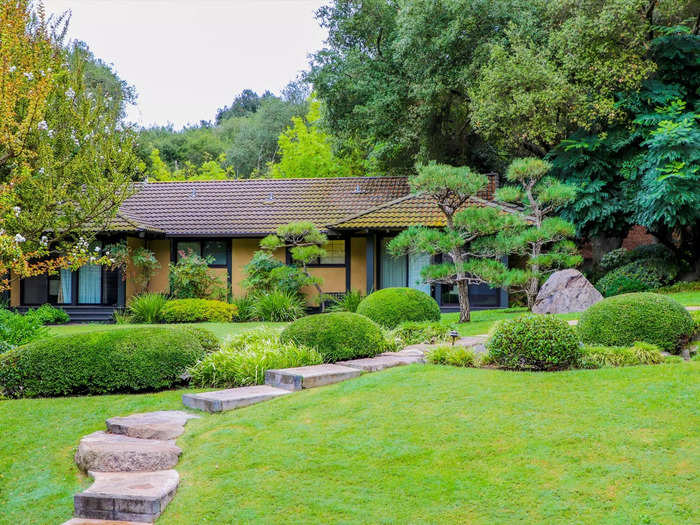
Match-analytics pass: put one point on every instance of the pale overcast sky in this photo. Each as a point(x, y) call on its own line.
point(189, 57)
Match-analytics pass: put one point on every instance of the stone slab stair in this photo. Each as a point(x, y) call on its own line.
point(131, 465)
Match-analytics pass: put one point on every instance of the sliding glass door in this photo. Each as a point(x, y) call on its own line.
point(90, 284)
point(402, 271)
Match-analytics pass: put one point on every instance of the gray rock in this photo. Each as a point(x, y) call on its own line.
point(223, 400)
point(164, 424)
point(127, 496)
point(103, 452)
point(309, 376)
point(566, 291)
point(91, 521)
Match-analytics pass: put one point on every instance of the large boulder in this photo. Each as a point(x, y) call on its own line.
point(566, 291)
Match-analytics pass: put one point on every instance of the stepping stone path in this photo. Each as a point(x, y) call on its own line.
point(131, 465)
point(224, 400)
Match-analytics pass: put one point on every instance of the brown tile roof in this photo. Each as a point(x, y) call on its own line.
point(410, 210)
point(255, 206)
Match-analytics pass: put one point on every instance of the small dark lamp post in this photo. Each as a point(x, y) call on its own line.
point(454, 334)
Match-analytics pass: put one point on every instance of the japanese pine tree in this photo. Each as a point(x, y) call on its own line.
point(452, 190)
point(545, 241)
point(305, 244)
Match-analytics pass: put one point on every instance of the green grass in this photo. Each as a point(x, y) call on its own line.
point(417, 444)
point(687, 298)
point(221, 330)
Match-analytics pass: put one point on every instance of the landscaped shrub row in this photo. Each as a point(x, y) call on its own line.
point(197, 310)
point(337, 336)
point(101, 362)
point(245, 358)
point(625, 319)
point(642, 269)
point(391, 306)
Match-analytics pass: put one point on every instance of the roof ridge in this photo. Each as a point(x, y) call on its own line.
point(295, 179)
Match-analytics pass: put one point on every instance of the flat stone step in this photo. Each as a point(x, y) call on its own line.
point(381, 362)
point(90, 521)
point(692, 308)
point(309, 376)
point(164, 424)
point(572, 322)
point(127, 496)
point(223, 400)
point(104, 452)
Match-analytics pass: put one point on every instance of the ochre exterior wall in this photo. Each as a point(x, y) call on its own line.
point(161, 249)
point(358, 264)
point(242, 251)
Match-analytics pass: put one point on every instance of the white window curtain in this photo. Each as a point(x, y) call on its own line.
point(416, 262)
point(393, 269)
point(65, 292)
point(89, 284)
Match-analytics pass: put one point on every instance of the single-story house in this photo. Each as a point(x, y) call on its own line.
point(226, 220)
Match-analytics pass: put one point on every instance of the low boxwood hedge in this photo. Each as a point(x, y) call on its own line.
point(391, 306)
point(100, 362)
point(534, 342)
point(624, 319)
point(197, 311)
point(337, 336)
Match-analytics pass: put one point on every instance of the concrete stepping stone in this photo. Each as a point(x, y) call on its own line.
point(572, 322)
point(309, 376)
point(127, 496)
point(164, 424)
point(381, 362)
point(90, 521)
point(103, 452)
point(223, 400)
point(692, 308)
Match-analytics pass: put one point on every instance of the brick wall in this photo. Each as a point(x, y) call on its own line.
point(638, 236)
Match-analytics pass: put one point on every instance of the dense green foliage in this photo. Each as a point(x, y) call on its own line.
point(244, 360)
point(534, 342)
point(452, 355)
point(392, 306)
point(348, 302)
point(265, 273)
point(637, 276)
point(120, 360)
point(209, 341)
point(625, 319)
point(197, 310)
point(415, 332)
point(190, 278)
point(277, 306)
point(48, 314)
point(337, 336)
point(146, 308)
point(17, 329)
point(646, 169)
point(639, 353)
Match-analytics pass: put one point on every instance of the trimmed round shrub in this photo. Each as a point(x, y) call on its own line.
point(337, 336)
point(646, 273)
point(208, 340)
point(625, 319)
point(100, 362)
point(614, 259)
point(534, 342)
point(391, 306)
point(197, 311)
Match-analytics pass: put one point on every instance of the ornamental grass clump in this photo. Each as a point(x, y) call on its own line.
point(612, 356)
point(245, 359)
point(452, 355)
point(534, 342)
point(625, 319)
point(147, 308)
point(415, 332)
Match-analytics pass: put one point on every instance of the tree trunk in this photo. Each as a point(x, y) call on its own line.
point(464, 310)
point(602, 245)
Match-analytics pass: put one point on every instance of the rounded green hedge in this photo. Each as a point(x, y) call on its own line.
point(392, 306)
point(197, 311)
point(100, 362)
point(337, 336)
point(624, 319)
point(534, 342)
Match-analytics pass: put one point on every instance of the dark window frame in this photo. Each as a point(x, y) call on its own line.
point(201, 241)
point(345, 239)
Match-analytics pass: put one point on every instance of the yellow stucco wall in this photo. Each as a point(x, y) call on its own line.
point(358, 264)
point(161, 249)
point(242, 251)
point(131, 289)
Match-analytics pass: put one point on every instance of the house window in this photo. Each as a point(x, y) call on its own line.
point(335, 252)
point(217, 250)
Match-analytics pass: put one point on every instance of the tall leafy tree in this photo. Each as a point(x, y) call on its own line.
point(67, 161)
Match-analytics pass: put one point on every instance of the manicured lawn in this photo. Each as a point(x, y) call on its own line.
point(418, 444)
point(221, 330)
point(687, 298)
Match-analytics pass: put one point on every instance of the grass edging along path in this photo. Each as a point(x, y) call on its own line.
point(410, 444)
